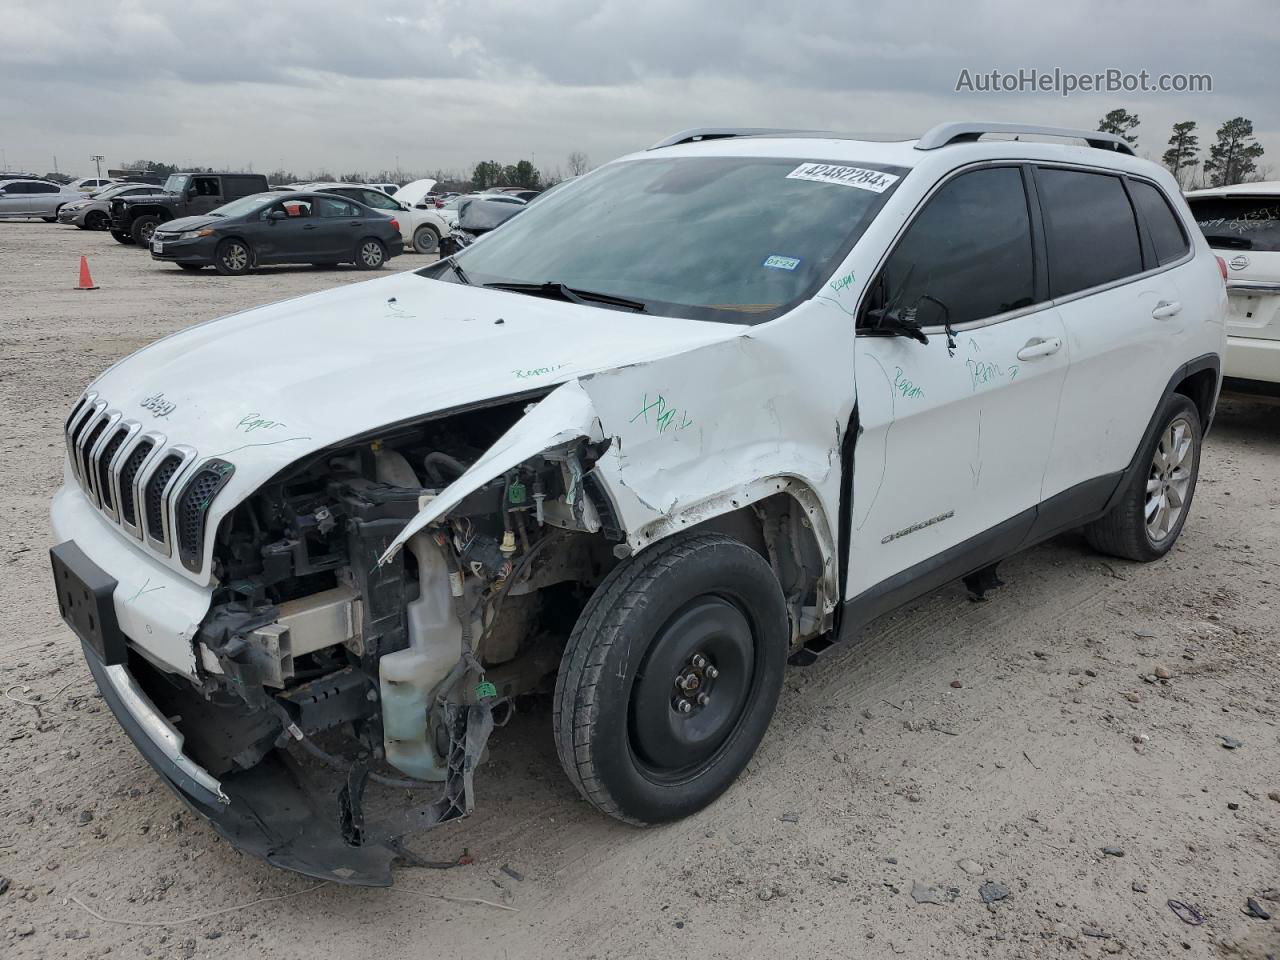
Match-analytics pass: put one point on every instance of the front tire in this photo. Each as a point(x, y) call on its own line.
point(96, 220)
point(122, 237)
point(1145, 522)
point(233, 258)
point(426, 240)
point(670, 678)
point(142, 229)
point(370, 254)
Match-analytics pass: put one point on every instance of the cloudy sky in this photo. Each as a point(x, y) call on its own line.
point(444, 83)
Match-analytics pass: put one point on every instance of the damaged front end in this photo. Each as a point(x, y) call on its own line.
point(337, 670)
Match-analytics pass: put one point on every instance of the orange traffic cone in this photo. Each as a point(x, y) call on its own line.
point(86, 281)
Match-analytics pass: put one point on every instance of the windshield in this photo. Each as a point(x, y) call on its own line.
point(244, 205)
point(1239, 223)
point(176, 183)
point(112, 190)
point(734, 239)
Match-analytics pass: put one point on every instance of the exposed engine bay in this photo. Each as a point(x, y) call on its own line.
point(391, 671)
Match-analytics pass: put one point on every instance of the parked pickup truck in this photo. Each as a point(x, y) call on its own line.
point(134, 219)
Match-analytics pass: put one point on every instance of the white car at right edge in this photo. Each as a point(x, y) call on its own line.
point(1242, 224)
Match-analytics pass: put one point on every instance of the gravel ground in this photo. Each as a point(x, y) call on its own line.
point(1030, 748)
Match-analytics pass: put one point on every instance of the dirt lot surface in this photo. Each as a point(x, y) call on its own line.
point(1062, 748)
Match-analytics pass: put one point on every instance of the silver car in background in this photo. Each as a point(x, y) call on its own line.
point(32, 198)
point(94, 213)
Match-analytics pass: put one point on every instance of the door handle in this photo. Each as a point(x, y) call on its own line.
point(1166, 309)
point(1040, 347)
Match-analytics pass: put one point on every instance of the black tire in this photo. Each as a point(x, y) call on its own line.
point(122, 237)
point(371, 254)
point(233, 258)
point(619, 732)
point(191, 266)
point(96, 220)
point(426, 239)
point(142, 228)
point(1124, 531)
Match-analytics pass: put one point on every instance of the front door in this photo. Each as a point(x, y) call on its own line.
point(288, 233)
point(954, 434)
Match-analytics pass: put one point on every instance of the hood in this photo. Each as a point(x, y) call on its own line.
point(190, 223)
point(266, 387)
point(412, 193)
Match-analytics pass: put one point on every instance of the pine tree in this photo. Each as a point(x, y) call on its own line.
point(1234, 157)
point(1120, 122)
point(1184, 145)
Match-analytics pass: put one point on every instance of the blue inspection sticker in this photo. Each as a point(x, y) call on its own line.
point(781, 263)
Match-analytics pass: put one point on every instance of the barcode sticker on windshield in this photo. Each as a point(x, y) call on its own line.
point(863, 179)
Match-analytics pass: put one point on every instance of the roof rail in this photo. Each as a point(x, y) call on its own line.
point(947, 133)
point(724, 133)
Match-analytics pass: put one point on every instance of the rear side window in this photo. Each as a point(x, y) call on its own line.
point(41, 188)
point(1090, 226)
point(967, 256)
point(335, 207)
point(1162, 223)
point(1239, 223)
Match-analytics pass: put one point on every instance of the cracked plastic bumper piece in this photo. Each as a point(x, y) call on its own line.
point(270, 811)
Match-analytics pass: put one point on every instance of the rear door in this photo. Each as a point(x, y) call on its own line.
point(1245, 231)
point(1126, 323)
point(339, 223)
point(954, 434)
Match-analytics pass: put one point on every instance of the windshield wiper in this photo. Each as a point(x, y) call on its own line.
point(458, 271)
point(553, 288)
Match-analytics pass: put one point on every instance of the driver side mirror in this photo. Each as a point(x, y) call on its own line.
point(277, 215)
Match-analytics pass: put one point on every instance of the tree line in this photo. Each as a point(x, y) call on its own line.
point(1233, 156)
point(485, 175)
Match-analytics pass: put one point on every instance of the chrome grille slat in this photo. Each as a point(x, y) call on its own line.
point(132, 477)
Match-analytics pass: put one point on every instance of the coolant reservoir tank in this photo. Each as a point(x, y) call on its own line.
point(409, 678)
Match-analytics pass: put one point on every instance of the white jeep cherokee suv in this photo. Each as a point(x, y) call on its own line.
point(1242, 223)
point(712, 407)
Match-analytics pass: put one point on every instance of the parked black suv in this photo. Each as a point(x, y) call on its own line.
point(134, 219)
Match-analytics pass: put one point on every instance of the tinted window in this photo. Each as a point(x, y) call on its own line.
point(969, 251)
point(13, 189)
point(206, 187)
point(1238, 223)
point(376, 199)
point(1162, 223)
point(41, 188)
point(334, 207)
point(1092, 233)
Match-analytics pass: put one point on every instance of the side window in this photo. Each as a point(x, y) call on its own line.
point(1162, 223)
point(334, 207)
point(41, 188)
point(13, 189)
point(967, 256)
point(377, 200)
point(1090, 227)
point(206, 186)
